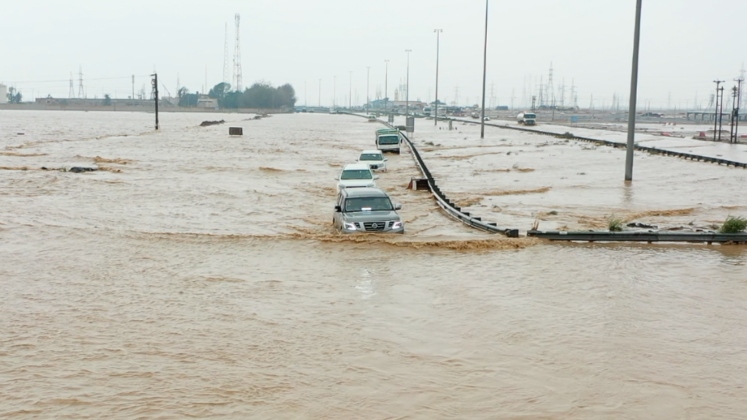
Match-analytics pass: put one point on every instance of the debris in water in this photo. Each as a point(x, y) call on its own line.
point(207, 123)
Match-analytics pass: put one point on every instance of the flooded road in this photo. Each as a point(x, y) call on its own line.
point(198, 275)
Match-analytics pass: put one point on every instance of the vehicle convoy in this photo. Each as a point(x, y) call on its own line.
point(526, 118)
point(374, 158)
point(355, 175)
point(388, 140)
point(366, 210)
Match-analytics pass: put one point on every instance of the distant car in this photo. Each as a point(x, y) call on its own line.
point(366, 210)
point(356, 175)
point(487, 119)
point(374, 158)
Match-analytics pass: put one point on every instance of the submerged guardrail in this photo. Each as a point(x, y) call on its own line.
point(450, 207)
point(652, 236)
point(447, 205)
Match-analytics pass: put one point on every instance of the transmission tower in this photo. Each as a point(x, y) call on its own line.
point(71, 92)
point(81, 91)
point(226, 73)
point(562, 93)
point(237, 58)
point(574, 97)
point(550, 89)
point(541, 96)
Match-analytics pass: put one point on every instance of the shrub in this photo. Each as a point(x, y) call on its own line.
point(734, 225)
point(615, 224)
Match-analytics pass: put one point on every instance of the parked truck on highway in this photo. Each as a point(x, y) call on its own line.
point(526, 118)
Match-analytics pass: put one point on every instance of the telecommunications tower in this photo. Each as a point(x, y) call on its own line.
point(237, 59)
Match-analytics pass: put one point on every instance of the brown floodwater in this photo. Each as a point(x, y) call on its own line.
point(198, 275)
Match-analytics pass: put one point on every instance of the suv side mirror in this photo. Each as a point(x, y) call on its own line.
point(338, 209)
point(398, 206)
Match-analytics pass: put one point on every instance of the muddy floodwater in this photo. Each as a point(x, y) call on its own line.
point(195, 274)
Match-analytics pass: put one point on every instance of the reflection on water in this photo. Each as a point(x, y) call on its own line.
point(204, 279)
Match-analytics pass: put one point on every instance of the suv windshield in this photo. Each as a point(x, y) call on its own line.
point(371, 156)
point(368, 204)
point(356, 174)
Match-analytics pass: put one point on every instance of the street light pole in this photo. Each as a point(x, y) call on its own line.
point(368, 77)
point(350, 93)
point(633, 95)
point(386, 88)
point(334, 92)
point(319, 105)
point(484, 72)
point(438, 40)
point(407, 91)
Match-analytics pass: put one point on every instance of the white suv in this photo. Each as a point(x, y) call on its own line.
point(356, 175)
point(374, 158)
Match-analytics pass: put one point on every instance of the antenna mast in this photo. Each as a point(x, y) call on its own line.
point(237, 58)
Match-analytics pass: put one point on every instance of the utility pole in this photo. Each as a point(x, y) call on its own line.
point(633, 95)
point(735, 112)
point(732, 136)
point(154, 82)
point(368, 78)
point(386, 87)
point(407, 89)
point(350, 93)
point(721, 115)
point(438, 37)
point(715, 113)
point(484, 72)
point(319, 105)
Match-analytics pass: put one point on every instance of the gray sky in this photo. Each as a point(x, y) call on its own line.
point(685, 45)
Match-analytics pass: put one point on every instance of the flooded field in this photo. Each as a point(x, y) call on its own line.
point(198, 275)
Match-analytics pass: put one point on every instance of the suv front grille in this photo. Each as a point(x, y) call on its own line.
point(375, 226)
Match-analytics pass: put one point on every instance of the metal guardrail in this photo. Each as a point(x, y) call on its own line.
point(652, 150)
point(695, 237)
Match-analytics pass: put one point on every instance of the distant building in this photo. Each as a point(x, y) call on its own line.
point(204, 101)
point(383, 103)
point(93, 102)
point(3, 94)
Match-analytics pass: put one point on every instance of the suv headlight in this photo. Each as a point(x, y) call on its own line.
point(396, 225)
point(350, 226)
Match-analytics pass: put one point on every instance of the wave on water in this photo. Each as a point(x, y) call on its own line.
point(660, 213)
point(404, 241)
point(118, 161)
point(22, 154)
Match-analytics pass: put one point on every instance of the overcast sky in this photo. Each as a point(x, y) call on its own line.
point(685, 45)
